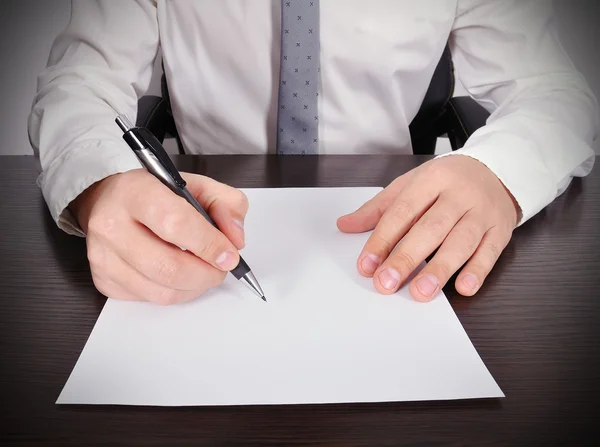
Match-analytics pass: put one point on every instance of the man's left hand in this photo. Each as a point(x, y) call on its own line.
point(452, 203)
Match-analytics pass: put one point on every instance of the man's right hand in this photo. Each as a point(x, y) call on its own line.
point(136, 227)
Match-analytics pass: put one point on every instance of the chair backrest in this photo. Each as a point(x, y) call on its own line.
point(424, 128)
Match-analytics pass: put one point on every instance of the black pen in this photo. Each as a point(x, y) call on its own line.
point(156, 160)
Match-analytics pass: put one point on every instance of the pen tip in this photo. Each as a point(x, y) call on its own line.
point(264, 299)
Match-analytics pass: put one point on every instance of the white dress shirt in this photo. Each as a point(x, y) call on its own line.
point(377, 58)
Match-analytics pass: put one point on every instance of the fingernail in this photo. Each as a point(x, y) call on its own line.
point(226, 260)
point(370, 263)
point(427, 285)
point(470, 281)
point(389, 279)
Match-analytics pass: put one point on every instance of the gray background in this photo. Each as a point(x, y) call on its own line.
point(28, 28)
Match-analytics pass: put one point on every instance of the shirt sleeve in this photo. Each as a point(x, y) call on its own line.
point(544, 118)
point(98, 67)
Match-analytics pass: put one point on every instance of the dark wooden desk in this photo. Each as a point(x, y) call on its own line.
point(535, 323)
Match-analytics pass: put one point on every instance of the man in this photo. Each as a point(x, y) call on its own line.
point(370, 63)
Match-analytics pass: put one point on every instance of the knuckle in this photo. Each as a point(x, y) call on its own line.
point(401, 209)
point(153, 212)
point(471, 231)
point(480, 268)
point(102, 225)
point(470, 236)
point(443, 269)
point(379, 242)
point(172, 224)
point(436, 225)
point(95, 255)
point(437, 170)
point(167, 297)
point(494, 249)
point(168, 270)
point(382, 201)
point(211, 247)
point(405, 261)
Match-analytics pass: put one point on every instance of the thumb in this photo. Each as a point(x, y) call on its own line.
point(226, 205)
point(368, 215)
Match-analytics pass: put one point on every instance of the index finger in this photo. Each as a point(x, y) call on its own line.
point(176, 221)
point(396, 221)
point(422, 239)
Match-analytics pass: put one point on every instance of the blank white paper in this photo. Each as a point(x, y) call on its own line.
point(324, 336)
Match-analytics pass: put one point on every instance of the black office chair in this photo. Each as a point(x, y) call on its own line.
point(440, 114)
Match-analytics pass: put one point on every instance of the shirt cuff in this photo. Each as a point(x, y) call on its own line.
point(69, 175)
point(518, 167)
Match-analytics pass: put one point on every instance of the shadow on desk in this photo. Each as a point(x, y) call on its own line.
point(325, 419)
point(70, 253)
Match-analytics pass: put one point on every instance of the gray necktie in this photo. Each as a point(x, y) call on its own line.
point(298, 117)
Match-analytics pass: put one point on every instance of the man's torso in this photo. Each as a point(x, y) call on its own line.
point(377, 58)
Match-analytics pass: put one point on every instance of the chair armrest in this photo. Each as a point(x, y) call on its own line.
point(463, 117)
point(152, 114)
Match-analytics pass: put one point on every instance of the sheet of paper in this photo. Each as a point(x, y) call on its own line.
point(324, 336)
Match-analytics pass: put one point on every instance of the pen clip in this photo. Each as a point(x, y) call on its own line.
point(150, 142)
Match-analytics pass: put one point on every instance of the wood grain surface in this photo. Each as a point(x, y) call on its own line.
point(535, 323)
